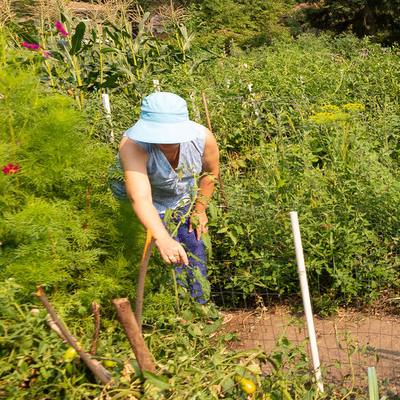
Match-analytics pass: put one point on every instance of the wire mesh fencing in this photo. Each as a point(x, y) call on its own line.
point(335, 162)
point(332, 157)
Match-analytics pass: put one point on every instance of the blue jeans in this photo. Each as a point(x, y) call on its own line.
point(195, 247)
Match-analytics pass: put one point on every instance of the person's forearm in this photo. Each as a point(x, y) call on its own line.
point(206, 188)
point(171, 251)
point(149, 217)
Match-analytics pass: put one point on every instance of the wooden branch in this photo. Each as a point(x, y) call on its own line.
point(96, 333)
point(131, 327)
point(56, 329)
point(203, 95)
point(98, 370)
point(148, 246)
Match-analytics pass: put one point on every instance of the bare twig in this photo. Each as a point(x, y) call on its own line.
point(210, 129)
point(98, 370)
point(142, 276)
point(96, 333)
point(56, 329)
point(130, 325)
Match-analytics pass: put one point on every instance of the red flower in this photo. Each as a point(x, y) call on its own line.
point(11, 169)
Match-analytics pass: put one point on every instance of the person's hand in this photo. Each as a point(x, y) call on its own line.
point(201, 221)
point(172, 251)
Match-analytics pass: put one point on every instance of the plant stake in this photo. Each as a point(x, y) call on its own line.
point(96, 313)
point(301, 269)
point(209, 127)
point(106, 104)
point(131, 328)
point(148, 246)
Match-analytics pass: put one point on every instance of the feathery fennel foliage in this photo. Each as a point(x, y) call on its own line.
point(59, 223)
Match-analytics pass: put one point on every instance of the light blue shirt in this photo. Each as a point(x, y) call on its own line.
point(172, 187)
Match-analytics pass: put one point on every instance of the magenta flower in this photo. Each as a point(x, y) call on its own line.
point(11, 169)
point(60, 28)
point(32, 46)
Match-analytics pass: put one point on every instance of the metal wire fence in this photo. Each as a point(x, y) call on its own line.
point(357, 320)
point(340, 175)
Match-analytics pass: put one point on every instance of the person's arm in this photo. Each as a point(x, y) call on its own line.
point(210, 166)
point(134, 159)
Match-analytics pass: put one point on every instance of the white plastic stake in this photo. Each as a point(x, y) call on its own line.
point(156, 84)
point(301, 269)
point(106, 104)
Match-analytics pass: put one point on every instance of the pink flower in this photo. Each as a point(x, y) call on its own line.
point(11, 169)
point(32, 46)
point(60, 28)
point(327, 226)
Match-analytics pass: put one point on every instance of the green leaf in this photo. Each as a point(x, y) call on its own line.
point(195, 330)
point(76, 41)
point(186, 314)
point(155, 380)
point(44, 373)
point(254, 369)
point(42, 347)
point(234, 239)
point(110, 50)
point(212, 328)
point(213, 210)
point(28, 38)
point(207, 243)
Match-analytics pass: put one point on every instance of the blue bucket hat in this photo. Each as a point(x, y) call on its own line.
point(164, 119)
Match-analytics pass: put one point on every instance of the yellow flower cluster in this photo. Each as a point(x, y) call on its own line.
point(331, 113)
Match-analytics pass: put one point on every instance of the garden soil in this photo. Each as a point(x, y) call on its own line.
point(349, 338)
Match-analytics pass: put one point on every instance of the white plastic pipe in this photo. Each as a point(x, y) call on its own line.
point(301, 269)
point(106, 104)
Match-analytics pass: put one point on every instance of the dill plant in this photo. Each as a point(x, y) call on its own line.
point(58, 219)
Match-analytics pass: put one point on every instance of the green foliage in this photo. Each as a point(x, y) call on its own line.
point(310, 125)
point(365, 18)
point(31, 357)
point(249, 24)
point(33, 363)
point(311, 137)
point(58, 217)
point(105, 56)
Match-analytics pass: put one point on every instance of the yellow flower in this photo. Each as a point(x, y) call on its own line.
point(353, 107)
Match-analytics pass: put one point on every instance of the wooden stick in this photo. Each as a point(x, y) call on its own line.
point(97, 369)
point(131, 327)
point(56, 329)
point(203, 95)
point(148, 246)
point(96, 333)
